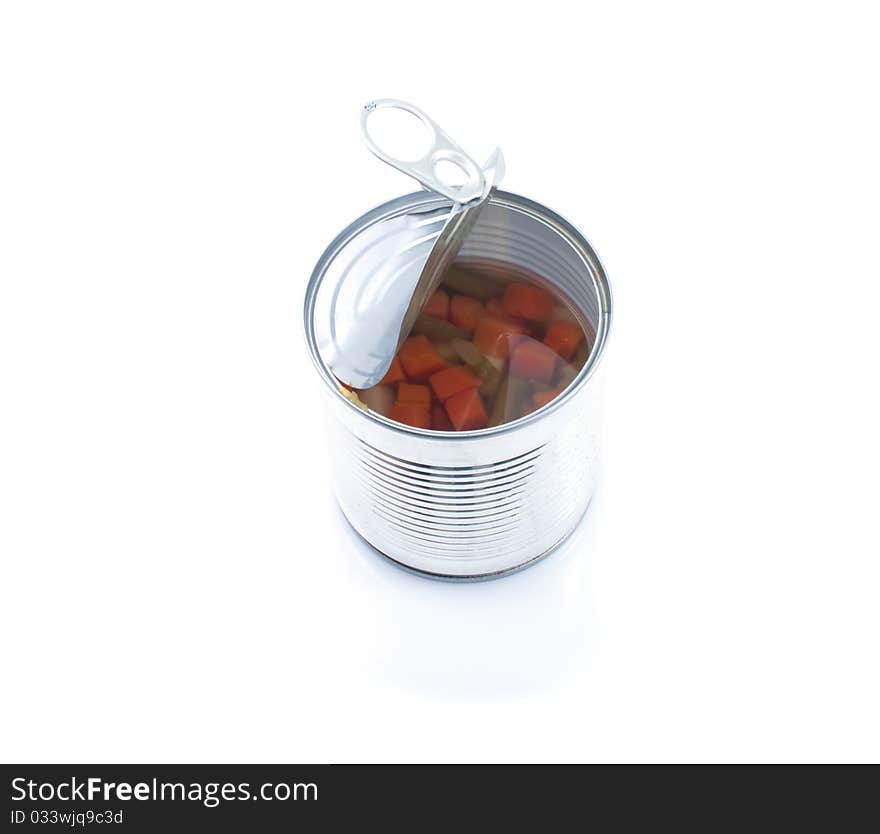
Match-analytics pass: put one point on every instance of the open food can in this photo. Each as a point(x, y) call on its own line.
point(486, 499)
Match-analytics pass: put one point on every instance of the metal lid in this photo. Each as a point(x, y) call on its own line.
point(381, 277)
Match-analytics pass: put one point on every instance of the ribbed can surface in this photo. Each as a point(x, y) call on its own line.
point(478, 504)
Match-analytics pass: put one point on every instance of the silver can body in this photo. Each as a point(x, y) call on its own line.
point(479, 504)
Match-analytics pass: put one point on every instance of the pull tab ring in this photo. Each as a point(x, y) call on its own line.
point(443, 149)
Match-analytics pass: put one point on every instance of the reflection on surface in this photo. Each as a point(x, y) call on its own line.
point(509, 636)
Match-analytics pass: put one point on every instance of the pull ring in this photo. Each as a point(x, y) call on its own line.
point(442, 149)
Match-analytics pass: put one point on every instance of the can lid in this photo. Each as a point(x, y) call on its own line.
point(381, 276)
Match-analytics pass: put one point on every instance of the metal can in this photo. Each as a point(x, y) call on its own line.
point(480, 504)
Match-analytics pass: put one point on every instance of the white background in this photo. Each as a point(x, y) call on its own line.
point(177, 582)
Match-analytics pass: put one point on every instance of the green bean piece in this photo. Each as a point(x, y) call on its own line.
point(469, 353)
point(499, 404)
point(490, 384)
point(447, 353)
point(478, 363)
point(437, 330)
point(468, 283)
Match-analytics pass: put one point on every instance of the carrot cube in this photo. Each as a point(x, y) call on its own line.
point(533, 360)
point(411, 394)
point(394, 374)
point(493, 336)
point(564, 337)
point(465, 312)
point(419, 358)
point(412, 415)
point(524, 301)
point(453, 380)
point(541, 398)
point(440, 419)
point(466, 411)
point(437, 305)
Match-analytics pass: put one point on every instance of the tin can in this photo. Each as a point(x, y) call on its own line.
point(479, 504)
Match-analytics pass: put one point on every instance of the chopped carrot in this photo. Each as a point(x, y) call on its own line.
point(410, 394)
point(465, 312)
point(419, 358)
point(527, 302)
point(452, 381)
point(564, 337)
point(541, 398)
point(412, 415)
point(493, 336)
point(439, 419)
point(466, 411)
point(394, 374)
point(437, 305)
point(494, 308)
point(533, 360)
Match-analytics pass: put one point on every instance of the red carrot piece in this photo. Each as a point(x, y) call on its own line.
point(466, 411)
point(533, 360)
point(453, 380)
point(412, 415)
point(394, 374)
point(465, 312)
point(439, 419)
point(411, 394)
point(437, 305)
point(564, 337)
point(495, 309)
point(541, 398)
point(527, 302)
point(493, 336)
point(419, 358)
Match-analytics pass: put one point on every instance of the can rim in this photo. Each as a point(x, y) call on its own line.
point(511, 200)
